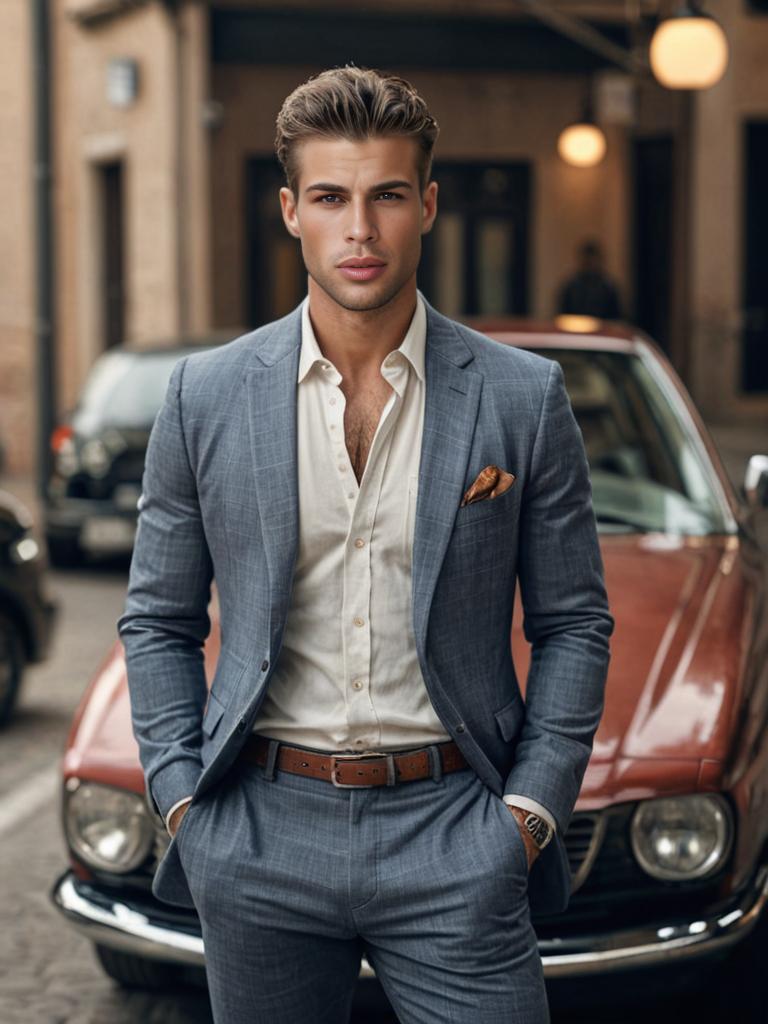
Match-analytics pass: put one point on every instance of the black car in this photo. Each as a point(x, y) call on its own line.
point(98, 450)
point(26, 612)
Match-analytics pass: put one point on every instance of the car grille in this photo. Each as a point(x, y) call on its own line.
point(582, 842)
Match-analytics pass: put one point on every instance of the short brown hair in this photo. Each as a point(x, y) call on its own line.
point(354, 103)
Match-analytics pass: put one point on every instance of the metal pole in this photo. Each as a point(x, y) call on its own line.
point(44, 298)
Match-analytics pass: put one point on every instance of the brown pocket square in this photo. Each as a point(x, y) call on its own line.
point(489, 483)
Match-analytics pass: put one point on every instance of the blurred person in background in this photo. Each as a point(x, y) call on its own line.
point(590, 291)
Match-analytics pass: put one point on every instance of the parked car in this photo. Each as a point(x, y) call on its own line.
point(98, 449)
point(668, 841)
point(26, 611)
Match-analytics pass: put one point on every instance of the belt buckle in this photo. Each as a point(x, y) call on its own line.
point(365, 755)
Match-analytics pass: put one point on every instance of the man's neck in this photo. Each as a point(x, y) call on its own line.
point(357, 342)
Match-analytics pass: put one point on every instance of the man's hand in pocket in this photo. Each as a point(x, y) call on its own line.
point(175, 819)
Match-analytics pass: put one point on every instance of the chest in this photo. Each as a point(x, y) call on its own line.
point(364, 406)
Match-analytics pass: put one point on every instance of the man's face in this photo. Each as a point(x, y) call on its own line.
point(360, 216)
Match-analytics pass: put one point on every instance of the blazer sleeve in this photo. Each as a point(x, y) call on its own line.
point(565, 612)
point(165, 621)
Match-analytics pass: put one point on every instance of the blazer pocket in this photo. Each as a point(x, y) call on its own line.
point(213, 712)
point(487, 508)
point(510, 718)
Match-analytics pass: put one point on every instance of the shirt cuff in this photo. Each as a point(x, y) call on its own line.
point(184, 800)
point(530, 805)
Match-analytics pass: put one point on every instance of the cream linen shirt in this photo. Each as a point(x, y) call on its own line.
point(348, 675)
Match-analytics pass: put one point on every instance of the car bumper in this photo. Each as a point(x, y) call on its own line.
point(95, 524)
point(103, 918)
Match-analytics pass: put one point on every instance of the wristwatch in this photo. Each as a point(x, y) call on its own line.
point(538, 829)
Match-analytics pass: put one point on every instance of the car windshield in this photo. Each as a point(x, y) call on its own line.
point(649, 473)
point(125, 389)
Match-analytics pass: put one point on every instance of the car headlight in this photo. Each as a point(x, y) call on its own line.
point(682, 838)
point(24, 550)
point(108, 828)
point(95, 458)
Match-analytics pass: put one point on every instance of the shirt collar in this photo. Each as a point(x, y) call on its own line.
point(412, 347)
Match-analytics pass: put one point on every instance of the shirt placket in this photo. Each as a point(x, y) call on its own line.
point(363, 728)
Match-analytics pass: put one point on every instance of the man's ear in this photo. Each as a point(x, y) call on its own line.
point(288, 208)
point(428, 207)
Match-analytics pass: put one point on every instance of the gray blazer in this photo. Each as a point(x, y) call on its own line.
point(219, 499)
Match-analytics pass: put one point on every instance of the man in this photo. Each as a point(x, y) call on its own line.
point(590, 292)
point(365, 479)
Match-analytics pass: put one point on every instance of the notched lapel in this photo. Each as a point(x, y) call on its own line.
point(271, 389)
point(450, 413)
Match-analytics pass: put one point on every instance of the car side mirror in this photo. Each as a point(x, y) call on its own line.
point(756, 481)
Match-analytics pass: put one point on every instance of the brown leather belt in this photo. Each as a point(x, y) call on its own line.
point(348, 771)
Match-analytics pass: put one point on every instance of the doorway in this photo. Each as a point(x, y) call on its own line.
point(113, 249)
point(475, 260)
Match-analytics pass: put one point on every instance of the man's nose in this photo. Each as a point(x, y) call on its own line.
point(361, 224)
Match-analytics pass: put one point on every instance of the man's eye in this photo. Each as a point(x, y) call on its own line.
point(330, 200)
point(389, 195)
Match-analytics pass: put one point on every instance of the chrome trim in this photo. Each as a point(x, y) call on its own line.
point(657, 944)
point(115, 924)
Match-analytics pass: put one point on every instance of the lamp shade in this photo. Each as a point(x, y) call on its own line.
point(582, 144)
point(689, 51)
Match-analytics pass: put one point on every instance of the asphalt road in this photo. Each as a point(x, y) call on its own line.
point(48, 973)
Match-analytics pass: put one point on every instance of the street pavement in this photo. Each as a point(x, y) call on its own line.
point(49, 974)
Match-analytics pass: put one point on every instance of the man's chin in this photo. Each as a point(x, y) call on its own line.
point(361, 298)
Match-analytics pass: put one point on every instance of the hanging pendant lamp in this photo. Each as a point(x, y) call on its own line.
point(689, 50)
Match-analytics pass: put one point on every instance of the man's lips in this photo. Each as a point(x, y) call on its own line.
point(362, 261)
point(362, 268)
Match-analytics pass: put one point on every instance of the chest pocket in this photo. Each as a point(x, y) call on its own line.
point(487, 508)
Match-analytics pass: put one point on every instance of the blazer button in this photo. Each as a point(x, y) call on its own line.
point(264, 666)
point(460, 727)
point(241, 725)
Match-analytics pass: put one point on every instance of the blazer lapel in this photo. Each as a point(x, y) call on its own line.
point(271, 388)
point(450, 412)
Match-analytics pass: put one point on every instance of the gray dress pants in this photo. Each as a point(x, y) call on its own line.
point(294, 879)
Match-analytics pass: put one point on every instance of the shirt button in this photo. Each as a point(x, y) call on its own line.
point(359, 743)
point(359, 542)
point(350, 495)
point(333, 426)
point(358, 621)
point(332, 401)
point(264, 666)
point(358, 684)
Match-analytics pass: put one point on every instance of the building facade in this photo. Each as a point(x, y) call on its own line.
point(165, 212)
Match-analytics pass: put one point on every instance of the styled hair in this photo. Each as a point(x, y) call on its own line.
point(357, 104)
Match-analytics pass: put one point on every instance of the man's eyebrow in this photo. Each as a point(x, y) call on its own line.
point(384, 186)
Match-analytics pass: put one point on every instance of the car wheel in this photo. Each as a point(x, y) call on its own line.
point(131, 971)
point(64, 552)
point(11, 666)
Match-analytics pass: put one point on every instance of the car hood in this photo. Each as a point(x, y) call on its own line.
point(683, 609)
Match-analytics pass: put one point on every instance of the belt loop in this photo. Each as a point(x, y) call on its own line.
point(435, 762)
point(269, 767)
point(391, 771)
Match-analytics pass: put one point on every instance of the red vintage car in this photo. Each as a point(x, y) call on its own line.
point(668, 841)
